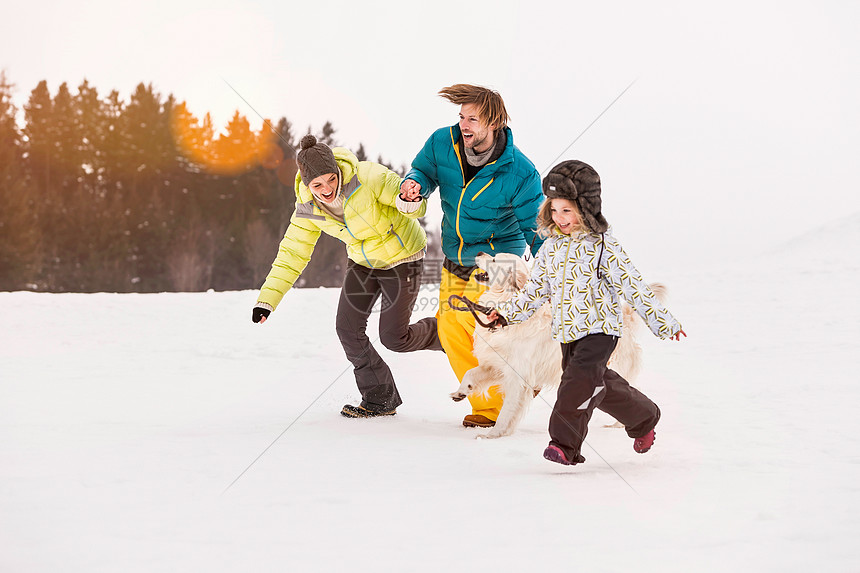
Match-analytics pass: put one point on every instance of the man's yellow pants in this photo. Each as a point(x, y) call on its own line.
point(456, 330)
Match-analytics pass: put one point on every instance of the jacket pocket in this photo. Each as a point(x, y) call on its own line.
point(391, 231)
point(475, 196)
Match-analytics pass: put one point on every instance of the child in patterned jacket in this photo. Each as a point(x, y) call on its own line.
point(583, 272)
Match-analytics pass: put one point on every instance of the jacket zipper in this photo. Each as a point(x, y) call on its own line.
point(564, 292)
point(462, 193)
point(350, 230)
point(457, 226)
point(597, 272)
point(391, 231)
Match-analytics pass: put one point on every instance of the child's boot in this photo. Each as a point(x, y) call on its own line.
point(554, 454)
point(643, 444)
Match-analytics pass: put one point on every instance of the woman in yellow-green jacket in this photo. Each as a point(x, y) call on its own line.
point(358, 202)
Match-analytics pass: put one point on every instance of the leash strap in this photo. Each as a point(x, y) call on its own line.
point(532, 244)
point(473, 307)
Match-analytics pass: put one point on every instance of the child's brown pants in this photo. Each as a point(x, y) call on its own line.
point(586, 383)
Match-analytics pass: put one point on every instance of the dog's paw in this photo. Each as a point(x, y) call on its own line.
point(491, 435)
point(457, 396)
point(462, 392)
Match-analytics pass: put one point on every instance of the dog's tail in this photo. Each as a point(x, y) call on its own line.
point(660, 291)
point(630, 319)
point(627, 358)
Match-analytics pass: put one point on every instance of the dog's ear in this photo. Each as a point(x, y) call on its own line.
point(521, 277)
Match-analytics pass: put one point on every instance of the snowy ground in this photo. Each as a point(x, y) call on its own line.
point(124, 418)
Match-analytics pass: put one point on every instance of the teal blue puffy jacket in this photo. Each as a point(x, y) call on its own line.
point(495, 212)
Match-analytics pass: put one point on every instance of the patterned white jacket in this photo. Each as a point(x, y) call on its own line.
point(584, 300)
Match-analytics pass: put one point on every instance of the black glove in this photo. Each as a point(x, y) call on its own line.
point(260, 313)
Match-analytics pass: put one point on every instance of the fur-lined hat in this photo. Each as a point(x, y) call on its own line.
point(579, 183)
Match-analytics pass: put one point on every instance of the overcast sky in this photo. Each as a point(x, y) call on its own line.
point(742, 127)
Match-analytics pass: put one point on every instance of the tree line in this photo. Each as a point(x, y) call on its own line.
point(102, 194)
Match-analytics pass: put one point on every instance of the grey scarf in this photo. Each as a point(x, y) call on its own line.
point(478, 159)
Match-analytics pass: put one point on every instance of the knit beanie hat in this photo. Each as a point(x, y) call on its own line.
point(579, 183)
point(314, 159)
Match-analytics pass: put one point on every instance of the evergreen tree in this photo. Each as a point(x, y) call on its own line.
point(148, 157)
point(283, 195)
point(38, 139)
point(103, 194)
point(66, 140)
point(360, 153)
point(236, 150)
point(39, 165)
point(18, 231)
point(90, 125)
point(327, 134)
point(112, 143)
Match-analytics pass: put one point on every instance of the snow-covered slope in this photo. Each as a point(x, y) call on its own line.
point(124, 418)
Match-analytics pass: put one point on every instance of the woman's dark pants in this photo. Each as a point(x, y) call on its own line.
point(398, 288)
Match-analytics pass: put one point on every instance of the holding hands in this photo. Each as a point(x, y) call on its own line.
point(410, 190)
point(409, 200)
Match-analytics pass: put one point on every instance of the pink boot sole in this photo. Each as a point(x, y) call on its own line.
point(643, 444)
point(554, 454)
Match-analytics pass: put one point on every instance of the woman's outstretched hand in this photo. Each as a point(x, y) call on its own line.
point(260, 314)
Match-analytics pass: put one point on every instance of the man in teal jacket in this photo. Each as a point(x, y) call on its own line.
point(490, 195)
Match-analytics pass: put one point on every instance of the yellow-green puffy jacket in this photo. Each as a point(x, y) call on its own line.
point(375, 232)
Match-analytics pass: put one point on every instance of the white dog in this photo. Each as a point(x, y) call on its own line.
point(523, 358)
